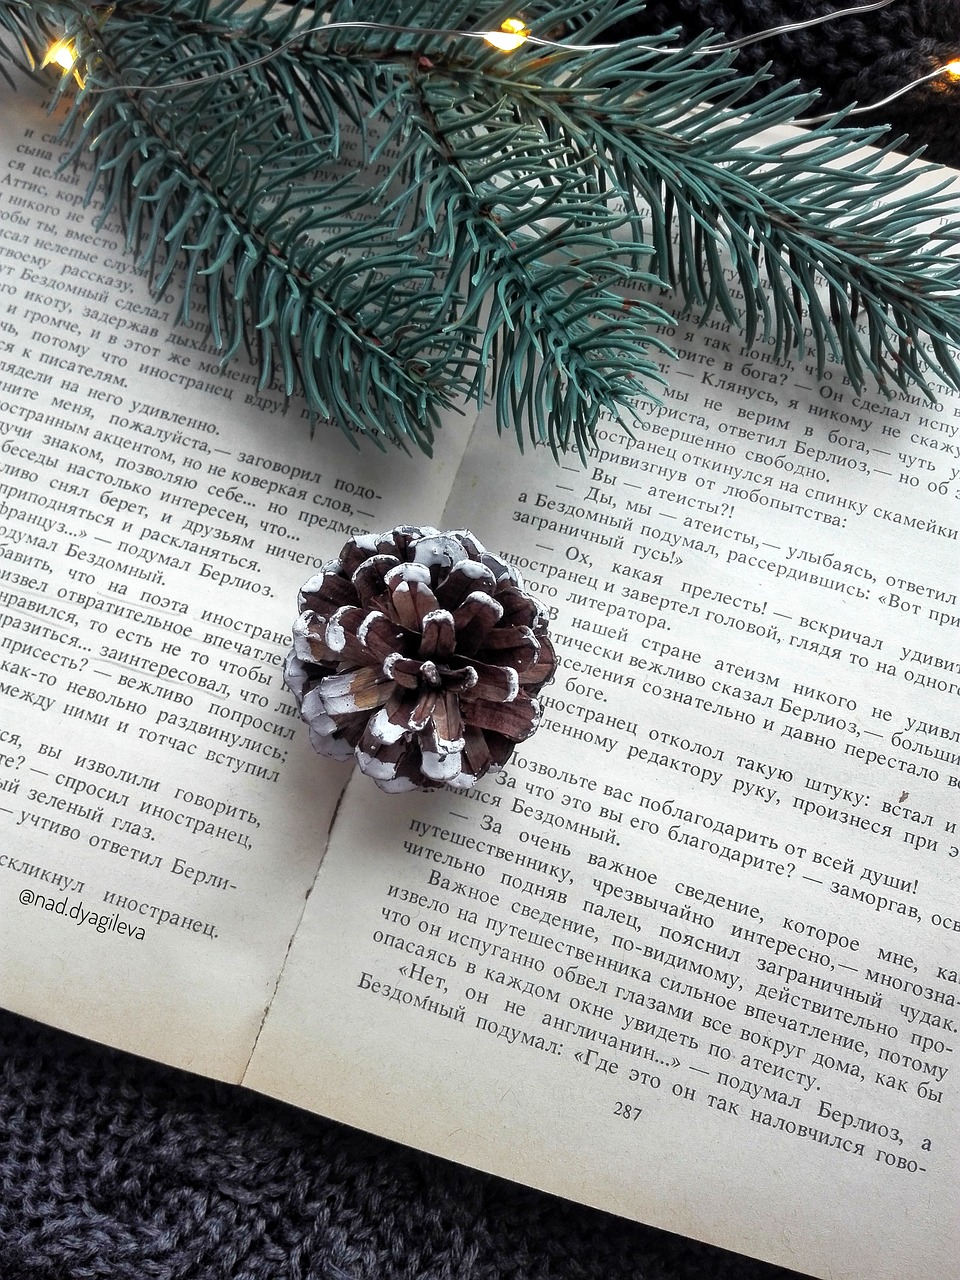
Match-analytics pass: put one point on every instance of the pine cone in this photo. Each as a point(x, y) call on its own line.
point(419, 653)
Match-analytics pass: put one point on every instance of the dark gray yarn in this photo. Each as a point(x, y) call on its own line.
point(112, 1168)
point(850, 60)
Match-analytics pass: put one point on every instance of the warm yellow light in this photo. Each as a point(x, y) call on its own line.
point(63, 54)
point(512, 34)
point(953, 68)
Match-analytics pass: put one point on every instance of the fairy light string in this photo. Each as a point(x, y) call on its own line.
point(512, 35)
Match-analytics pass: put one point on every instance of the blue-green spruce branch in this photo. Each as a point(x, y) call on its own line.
point(507, 223)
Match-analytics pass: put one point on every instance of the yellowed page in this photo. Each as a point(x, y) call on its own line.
point(159, 824)
point(692, 956)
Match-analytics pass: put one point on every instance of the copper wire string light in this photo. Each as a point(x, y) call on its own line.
point(951, 69)
point(512, 35)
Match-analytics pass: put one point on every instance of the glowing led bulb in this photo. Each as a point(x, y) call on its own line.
point(953, 68)
point(512, 34)
point(62, 54)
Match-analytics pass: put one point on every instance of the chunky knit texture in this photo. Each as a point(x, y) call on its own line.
point(112, 1168)
point(858, 59)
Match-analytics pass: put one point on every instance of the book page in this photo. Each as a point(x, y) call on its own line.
point(160, 825)
point(692, 955)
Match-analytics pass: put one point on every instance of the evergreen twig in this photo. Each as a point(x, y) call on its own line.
point(494, 213)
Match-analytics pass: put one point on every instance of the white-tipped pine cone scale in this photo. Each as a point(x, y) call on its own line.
point(419, 653)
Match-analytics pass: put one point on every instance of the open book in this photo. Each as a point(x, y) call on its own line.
point(690, 957)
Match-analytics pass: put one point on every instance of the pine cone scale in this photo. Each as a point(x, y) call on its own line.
point(349, 692)
point(369, 579)
point(449, 721)
point(518, 609)
point(399, 708)
point(494, 684)
point(475, 619)
point(327, 592)
point(405, 671)
point(379, 636)
point(410, 603)
point(340, 634)
point(464, 580)
point(309, 640)
point(385, 728)
point(420, 716)
point(439, 635)
point(516, 719)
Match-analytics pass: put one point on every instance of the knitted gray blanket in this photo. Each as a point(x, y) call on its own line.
point(112, 1168)
point(116, 1169)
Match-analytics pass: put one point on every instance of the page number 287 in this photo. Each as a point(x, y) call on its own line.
point(627, 1111)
